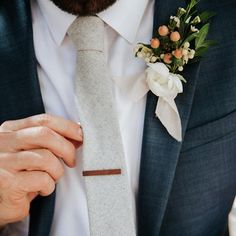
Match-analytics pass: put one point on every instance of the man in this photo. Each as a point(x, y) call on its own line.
point(182, 188)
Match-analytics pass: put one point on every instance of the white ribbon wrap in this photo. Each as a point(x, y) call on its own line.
point(166, 86)
point(232, 220)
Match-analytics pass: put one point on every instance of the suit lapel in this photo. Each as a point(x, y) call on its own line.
point(160, 152)
point(20, 94)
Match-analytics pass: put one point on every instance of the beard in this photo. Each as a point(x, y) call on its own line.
point(83, 7)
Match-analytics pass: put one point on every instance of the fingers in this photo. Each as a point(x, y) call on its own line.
point(40, 160)
point(43, 137)
point(31, 154)
point(35, 182)
point(7, 143)
point(66, 128)
point(58, 135)
point(76, 144)
point(17, 190)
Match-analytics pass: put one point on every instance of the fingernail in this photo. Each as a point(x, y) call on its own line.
point(80, 129)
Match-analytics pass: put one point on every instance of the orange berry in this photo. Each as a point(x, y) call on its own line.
point(175, 36)
point(155, 43)
point(178, 53)
point(167, 58)
point(163, 30)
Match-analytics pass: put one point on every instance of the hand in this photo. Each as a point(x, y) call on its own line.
point(31, 154)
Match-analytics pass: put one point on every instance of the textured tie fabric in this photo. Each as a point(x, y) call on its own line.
point(109, 198)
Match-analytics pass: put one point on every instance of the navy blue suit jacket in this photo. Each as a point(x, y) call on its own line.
point(186, 189)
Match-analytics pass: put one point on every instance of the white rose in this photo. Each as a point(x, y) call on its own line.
point(163, 83)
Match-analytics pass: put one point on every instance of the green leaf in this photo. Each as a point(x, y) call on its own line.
point(189, 8)
point(182, 28)
point(201, 51)
point(177, 62)
point(204, 47)
point(206, 15)
point(193, 3)
point(191, 37)
point(202, 34)
point(209, 43)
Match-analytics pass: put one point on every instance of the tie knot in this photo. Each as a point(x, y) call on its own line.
point(87, 33)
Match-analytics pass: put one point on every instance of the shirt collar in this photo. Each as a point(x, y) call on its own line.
point(59, 21)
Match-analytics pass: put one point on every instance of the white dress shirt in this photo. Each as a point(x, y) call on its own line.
point(127, 23)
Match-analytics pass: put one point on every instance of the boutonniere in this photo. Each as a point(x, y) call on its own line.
point(173, 47)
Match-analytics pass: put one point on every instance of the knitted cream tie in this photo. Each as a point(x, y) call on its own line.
point(108, 192)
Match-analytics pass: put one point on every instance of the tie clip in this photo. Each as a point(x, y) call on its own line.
point(102, 172)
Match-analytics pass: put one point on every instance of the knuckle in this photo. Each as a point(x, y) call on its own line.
point(50, 188)
point(45, 179)
point(48, 158)
point(43, 119)
point(48, 184)
point(45, 156)
point(65, 125)
point(53, 165)
point(5, 125)
point(45, 152)
point(32, 157)
point(58, 170)
point(44, 132)
point(22, 157)
point(70, 152)
point(42, 155)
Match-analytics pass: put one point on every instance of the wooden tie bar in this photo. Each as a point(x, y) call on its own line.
point(102, 172)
